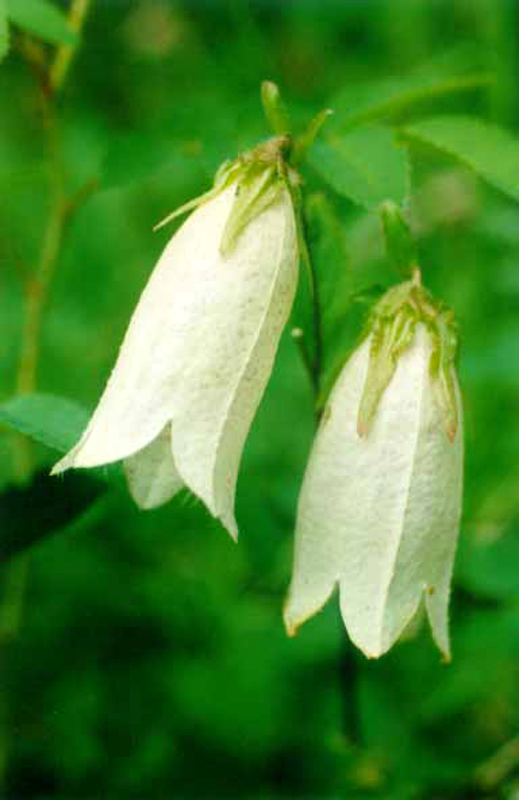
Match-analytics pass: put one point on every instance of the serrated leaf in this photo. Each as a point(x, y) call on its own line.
point(362, 103)
point(491, 151)
point(366, 165)
point(43, 507)
point(42, 19)
point(4, 30)
point(54, 421)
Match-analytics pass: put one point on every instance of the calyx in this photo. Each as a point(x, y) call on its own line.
point(392, 325)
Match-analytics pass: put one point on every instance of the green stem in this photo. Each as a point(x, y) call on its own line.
point(61, 64)
point(313, 364)
point(317, 360)
point(36, 293)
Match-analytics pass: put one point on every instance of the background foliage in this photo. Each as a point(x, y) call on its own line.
point(146, 655)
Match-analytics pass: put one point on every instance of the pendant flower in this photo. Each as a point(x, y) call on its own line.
point(381, 500)
point(201, 343)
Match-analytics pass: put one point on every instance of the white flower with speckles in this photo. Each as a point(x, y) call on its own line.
point(380, 505)
point(201, 343)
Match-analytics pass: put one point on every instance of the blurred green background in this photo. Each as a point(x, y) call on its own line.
point(150, 659)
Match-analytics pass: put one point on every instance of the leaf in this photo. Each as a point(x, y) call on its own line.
point(53, 421)
point(365, 165)
point(136, 157)
point(42, 19)
point(359, 104)
point(43, 507)
point(4, 30)
point(493, 153)
point(489, 569)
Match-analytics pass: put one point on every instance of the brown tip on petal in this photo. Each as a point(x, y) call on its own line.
point(229, 523)
point(290, 628)
point(362, 428)
point(451, 432)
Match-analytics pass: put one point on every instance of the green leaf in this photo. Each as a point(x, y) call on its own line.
point(131, 159)
point(359, 104)
point(489, 568)
point(43, 507)
point(53, 421)
point(42, 19)
point(490, 151)
point(365, 165)
point(4, 30)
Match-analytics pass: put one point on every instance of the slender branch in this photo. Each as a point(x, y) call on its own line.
point(37, 290)
point(39, 284)
point(317, 361)
point(314, 363)
point(63, 59)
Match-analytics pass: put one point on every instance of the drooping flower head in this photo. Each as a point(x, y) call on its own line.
point(381, 500)
point(201, 343)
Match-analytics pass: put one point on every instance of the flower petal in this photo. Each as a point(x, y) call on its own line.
point(199, 350)
point(151, 473)
point(140, 395)
point(236, 319)
point(380, 514)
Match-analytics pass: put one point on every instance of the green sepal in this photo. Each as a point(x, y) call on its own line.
point(225, 175)
point(303, 143)
point(274, 108)
point(400, 244)
point(257, 190)
point(441, 368)
point(259, 175)
point(392, 326)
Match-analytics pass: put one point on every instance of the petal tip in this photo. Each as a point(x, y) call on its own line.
point(291, 627)
point(229, 523)
point(62, 465)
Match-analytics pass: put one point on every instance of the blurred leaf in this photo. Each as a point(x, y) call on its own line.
point(328, 245)
point(54, 421)
point(42, 19)
point(490, 151)
point(400, 244)
point(358, 103)
point(33, 512)
point(4, 30)
point(490, 569)
point(365, 165)
point(137, 156)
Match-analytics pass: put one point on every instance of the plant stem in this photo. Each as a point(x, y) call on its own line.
point(316, 364)
point(63, 59)
point(313, 363)
point(36, 293)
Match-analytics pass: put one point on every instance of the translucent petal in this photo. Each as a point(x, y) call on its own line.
point(199, 350)
point(151, 473)
point(237, 322)
point(379, 515)
point(140, 394)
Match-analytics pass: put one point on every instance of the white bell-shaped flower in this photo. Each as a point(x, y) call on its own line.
point(201, 343)
point(380, 505)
